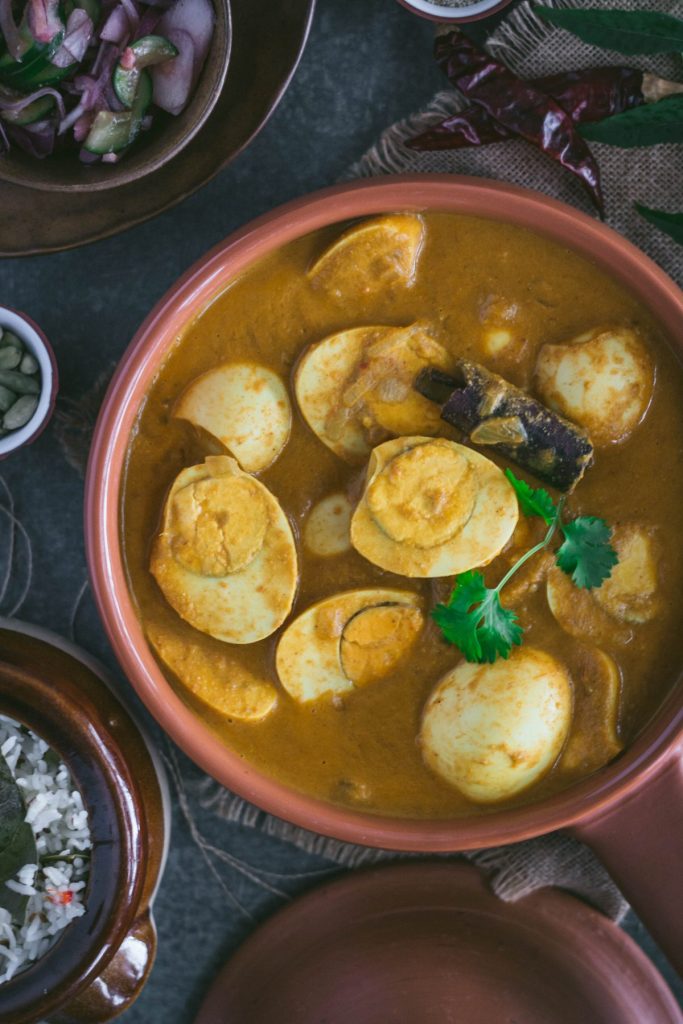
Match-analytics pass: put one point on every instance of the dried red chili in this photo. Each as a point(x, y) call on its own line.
point(519, 106)
point(59, 898)
point(587, 96)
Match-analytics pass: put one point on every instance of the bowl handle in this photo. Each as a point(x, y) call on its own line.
point(640, 842)
point(122, 980)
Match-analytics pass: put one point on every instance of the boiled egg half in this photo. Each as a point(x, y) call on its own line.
point(602, 381)
point(493, 730)
point(432, 507)
point(246, 407)
point(225, 558)
point(379, 252)
point(347, 641)
point(355, 388)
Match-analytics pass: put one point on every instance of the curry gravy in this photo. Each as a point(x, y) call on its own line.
point(362, 751)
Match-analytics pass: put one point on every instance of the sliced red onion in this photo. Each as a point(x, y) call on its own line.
point(95, 89)
point(197, 18)
point(110, 158)
point(173, 79)
point(25, 101)
point(116, 28)
point(86, 157)
point(43, 20)
point(79, 32)
point(4, 141)
point(37, 139)
point(8, 28)
point(132, 13)
point(83, 125)
point(148, 23)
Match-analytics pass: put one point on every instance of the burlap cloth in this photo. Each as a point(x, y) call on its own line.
point(652, 176)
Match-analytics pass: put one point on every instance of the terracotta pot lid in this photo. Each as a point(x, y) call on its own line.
point(428, 943)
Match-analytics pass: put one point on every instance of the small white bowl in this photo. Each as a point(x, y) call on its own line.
point(470, 12)
point(39, 347)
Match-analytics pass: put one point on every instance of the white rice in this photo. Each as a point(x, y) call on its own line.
point(55, 812)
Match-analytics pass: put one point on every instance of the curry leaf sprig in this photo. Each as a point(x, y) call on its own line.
point(475, 620)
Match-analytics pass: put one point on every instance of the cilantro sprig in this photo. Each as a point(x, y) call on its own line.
point(474, 618)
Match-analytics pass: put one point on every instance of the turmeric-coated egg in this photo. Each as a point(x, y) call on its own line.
point(492, 730)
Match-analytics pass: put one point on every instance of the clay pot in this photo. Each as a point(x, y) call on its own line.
point(102, 960)
point(630, 812)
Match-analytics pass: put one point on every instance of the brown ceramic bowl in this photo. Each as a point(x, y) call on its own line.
point(64, 172)
point(630, 812)
point(101, 961)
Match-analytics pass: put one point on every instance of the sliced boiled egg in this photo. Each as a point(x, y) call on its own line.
point(355, 388)
point(246, 407)
point(627, 597)
point(603, 382)
point(347, 641)
point(630, 592)
point(327, 529)
point(432, 507)
point(215, 678)
point(377, 253)
point(594, 738)
point(225, 558)
point(493, 730)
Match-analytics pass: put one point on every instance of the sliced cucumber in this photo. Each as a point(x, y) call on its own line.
point(35, 69)
point(36, 57)
point(36, 111)
point(42, 73)
point(148, 50)
point(112, 132)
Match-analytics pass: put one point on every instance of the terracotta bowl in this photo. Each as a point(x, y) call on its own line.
point(64, 172)
point(630, 811)
point(102, 960)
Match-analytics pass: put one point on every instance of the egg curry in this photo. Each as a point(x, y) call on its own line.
point(402, 514)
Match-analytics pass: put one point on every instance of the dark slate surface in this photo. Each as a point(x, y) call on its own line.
point(367, 63)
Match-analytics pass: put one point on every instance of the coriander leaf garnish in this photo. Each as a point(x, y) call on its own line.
point(586, 553)
point(475, 620)
point(532, 501)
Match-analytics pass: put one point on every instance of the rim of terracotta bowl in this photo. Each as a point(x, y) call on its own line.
point(476, 10)
point(66, 173)
point(36, 342)
point(185, 300)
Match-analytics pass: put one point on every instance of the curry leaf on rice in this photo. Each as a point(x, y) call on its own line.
point(17, 841)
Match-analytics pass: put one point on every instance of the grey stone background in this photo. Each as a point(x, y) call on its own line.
point(367, 64)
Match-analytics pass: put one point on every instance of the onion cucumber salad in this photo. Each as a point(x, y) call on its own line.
point(88, 73)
